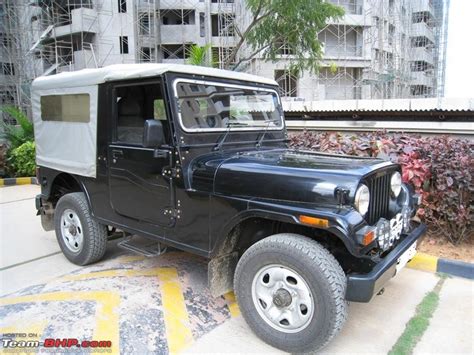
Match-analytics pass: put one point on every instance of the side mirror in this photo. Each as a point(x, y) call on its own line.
point(153, 135)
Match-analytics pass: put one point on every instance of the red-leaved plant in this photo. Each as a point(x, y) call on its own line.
point(440, 168)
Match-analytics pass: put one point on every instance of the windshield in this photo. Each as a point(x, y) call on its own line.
point(205, 106)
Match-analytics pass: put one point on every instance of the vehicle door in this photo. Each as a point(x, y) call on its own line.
point(139, 187)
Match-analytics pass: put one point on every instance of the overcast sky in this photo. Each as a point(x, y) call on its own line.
point(460, 51)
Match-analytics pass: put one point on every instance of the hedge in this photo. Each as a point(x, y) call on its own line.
point(440, 168)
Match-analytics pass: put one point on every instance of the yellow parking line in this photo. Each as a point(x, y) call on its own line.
point(107, 327)
point(425, 262)
point(232, 304)
point(113, 273)
point(178, 332)
point(176, 318)
point(131, 258)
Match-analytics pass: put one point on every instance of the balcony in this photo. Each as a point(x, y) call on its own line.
point(421, 6)
point(178, 33)
point(422, 78)
point(171, 4)
point(81, 20)
point(341, 51)
point(421, 29)
point(422, 54)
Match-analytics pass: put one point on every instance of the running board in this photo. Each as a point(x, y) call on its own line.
point(142, 246)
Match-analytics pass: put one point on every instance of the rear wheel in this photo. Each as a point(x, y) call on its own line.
point(82, 239)
point(291, 292)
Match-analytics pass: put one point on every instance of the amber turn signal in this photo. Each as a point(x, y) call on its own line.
point(313, 221)
point(368, 238)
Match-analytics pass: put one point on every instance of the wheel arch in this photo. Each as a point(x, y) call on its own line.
point(250, 226)
point(62, 183)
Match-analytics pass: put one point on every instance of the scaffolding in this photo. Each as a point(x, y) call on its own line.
point(16, 64)
point(380, 49)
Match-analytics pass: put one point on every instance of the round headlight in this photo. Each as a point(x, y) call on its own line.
point(396, 183)
point(362, 198)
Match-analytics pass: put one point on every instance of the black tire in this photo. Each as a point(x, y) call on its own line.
point(94, 234)
point(323, 276)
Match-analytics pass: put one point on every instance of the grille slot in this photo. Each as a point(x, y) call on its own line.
point(379, 187)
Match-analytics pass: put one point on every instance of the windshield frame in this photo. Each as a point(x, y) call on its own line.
point(280, 127)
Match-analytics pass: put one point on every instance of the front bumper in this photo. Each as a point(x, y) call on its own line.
point(362, 287)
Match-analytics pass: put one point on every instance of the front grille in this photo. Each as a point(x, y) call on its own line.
point(379, 187)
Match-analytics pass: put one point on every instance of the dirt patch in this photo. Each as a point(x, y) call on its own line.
point(443, 249)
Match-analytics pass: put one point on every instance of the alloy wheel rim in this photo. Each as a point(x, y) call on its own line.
point(71, 231)
point(282, 298)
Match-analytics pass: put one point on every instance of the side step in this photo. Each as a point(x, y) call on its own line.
point(142, 246)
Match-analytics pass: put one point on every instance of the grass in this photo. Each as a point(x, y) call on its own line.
point(418, 324)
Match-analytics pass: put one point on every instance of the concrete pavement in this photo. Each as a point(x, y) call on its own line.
point(371, 327)
point(162, 304)
point(452, 326)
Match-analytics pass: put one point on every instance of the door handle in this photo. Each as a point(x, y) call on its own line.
point(116, 153)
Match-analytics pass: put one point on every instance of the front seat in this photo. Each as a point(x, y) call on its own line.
point(130, 120)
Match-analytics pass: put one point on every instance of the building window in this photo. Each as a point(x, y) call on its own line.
point(123, 44)
point(423, 16)
point(202, 24)
point(287, 82)
point(122, 6)
point(222, 25)
point(144, 24)
point(284, 48)
point(420, 41)
point(8, 69)
point(6, 41)
point(174, 51)
point(178, 17)
point(420, 65)
point(147, 54)
point(391, 34)
point(420, 91)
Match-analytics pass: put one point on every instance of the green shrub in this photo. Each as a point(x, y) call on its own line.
point(21, 160)
point(18, 134)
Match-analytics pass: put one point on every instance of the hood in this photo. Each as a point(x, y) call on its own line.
point(281, 174)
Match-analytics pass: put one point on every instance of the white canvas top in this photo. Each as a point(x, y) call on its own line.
point(115, 72)
point(72, 146)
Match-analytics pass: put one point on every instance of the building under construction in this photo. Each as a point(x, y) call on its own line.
point(379, 49)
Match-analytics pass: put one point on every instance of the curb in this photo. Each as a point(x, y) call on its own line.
point(18, 181)
point(431, 263)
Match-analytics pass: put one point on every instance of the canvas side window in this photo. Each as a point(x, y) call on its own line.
point(66, 108)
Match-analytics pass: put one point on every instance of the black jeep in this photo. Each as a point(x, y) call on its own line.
point(197, 159)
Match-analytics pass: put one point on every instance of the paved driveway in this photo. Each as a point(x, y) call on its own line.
point(162, 304)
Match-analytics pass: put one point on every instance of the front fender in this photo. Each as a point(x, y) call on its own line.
point(342, 221)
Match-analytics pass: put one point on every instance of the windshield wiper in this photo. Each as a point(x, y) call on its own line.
point(229, 126)
point(259, 143)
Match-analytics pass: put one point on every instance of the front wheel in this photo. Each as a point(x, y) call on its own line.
point(291, 292)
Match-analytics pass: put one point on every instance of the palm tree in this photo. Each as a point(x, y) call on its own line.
point(199, 55)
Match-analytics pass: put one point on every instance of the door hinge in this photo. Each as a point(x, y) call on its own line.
point(171, 173)
point(172, 212)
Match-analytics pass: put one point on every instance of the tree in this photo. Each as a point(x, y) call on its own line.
point(294, 24)
point(199, 55)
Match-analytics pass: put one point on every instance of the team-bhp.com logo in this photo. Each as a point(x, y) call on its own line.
point(8, 342)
